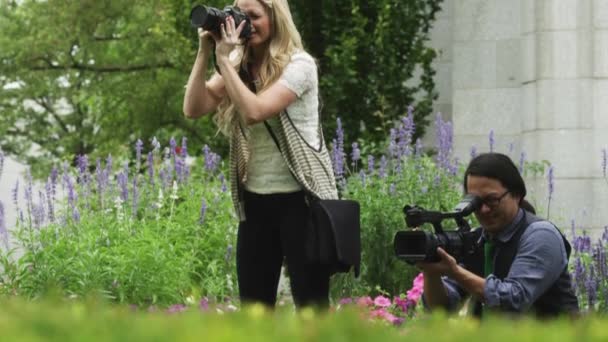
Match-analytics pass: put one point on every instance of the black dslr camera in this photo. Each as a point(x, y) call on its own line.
point(418, 245)
point(210, 19)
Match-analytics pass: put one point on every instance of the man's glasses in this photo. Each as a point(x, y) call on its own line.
point(493, 201)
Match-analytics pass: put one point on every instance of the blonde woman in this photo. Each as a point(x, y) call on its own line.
point(277, 152)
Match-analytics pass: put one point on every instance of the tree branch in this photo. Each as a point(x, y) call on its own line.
point(107, 68)
point(51, 111)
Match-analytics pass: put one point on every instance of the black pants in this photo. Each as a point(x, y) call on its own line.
point(275, 230)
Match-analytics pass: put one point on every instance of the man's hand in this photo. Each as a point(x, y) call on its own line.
point(446, 266)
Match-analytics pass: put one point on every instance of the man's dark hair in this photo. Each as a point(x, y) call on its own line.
point(500, 167)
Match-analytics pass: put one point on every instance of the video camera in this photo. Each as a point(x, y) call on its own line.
point(210, 19)
point(418, 245)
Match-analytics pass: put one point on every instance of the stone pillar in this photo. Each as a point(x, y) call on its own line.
point(599, 25)
point(487, 94)
point(536, 72)
point(557, 124)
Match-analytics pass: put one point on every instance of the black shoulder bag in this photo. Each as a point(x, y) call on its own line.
point(334, 232)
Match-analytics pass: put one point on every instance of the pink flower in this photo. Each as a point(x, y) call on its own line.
point(385, 315)
point(419, 281)
point(378, 313)
point(345, 301)
point(382, 302)
point(414, 295)
point(365, 301)
point(401, 303)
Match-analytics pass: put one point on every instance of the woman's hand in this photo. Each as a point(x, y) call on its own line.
point(205, 40)
point(229, 39)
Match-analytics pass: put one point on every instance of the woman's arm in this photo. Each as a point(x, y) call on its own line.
point(254, 107)
point(202, 96)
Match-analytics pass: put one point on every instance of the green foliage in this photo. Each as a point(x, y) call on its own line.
point(163, 253)
point(416, 181)
point(374, 61)
point(86, 77)
point(93, 321)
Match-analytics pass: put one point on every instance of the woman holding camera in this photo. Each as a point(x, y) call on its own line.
point(266, 102)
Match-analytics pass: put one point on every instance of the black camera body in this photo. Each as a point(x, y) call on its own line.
point(210, 19)
point(418, 245)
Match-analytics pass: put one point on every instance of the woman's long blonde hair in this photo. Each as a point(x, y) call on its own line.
point(284, 41)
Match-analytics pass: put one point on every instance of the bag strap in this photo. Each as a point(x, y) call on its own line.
point(308, 194)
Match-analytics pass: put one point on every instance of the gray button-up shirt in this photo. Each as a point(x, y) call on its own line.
point(540, 260)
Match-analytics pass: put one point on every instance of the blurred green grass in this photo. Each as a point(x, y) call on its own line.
point(92, 320)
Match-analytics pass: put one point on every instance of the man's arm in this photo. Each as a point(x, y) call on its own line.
point(443, 293)
point(538, 264)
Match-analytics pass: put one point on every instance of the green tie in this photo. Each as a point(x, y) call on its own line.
point(488, 251)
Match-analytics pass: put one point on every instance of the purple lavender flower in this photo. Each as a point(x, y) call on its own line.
point(15, 192)
point(54, 177)
point(38, 214)
point(393, 148)
point(135, 203)
point(340, 135)
point(179, 168)
point(383, 165)
point(579, 272)
point(356, 154)
point(338, 161)
point(591, 286)
point(444, 142)
point(203, 211)
point(223, 181)
point(511, 147)
point(211, 159)
point(370, 165)
point(172, 145)
point(184, 147)
point(50, 200)
point(522, 161)
point(76, 215)
point(29, 196)
point(491, 140)
point(151, 168)
point(604, 161)
point(83, 165)
point(109, 173)
point(419, 148)
point(139, 146)
point(363, 178)
point(338, 154)
point(123, 182)
point(473, 151)
point(551, 188)
point(3, 230)
point(406, 132)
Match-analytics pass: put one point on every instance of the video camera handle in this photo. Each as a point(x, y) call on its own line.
point(416, 216)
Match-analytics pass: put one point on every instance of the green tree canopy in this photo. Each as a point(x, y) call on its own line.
point(92, 76)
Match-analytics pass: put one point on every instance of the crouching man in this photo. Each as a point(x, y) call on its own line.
point(521, 264)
